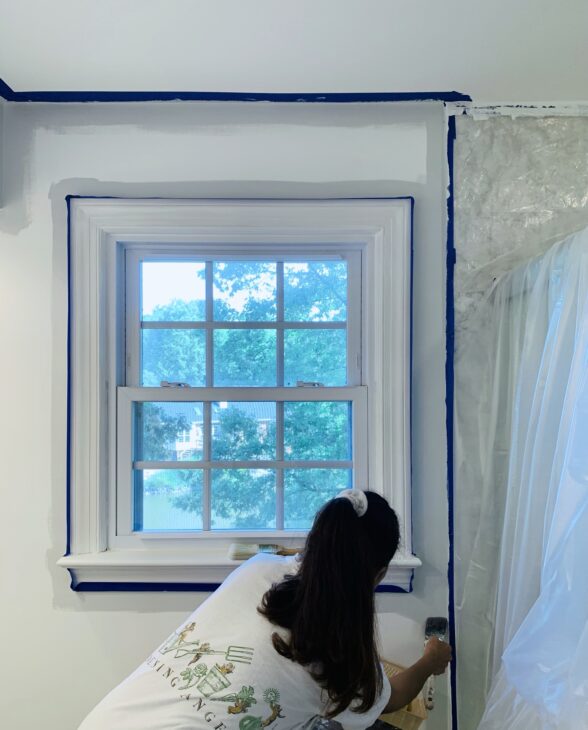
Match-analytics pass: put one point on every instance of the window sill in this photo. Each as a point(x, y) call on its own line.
point(132, 570)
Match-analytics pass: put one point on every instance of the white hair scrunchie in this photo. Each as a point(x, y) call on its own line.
point(357, 498)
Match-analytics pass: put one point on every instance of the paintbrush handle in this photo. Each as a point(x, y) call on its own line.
point(429, 693)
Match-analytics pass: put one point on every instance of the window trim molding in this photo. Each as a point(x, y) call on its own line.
point(97, 230)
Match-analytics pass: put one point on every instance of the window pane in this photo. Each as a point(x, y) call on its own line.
point(172, 291)
point(244, 291)
point(243, 431)
point(317, 430)
point(168, 431)
point(315, 355)
point(244, 357)
point(315, 291)
point(168, 499)
point(306, 490)
point(174, 355)
point(243, 499)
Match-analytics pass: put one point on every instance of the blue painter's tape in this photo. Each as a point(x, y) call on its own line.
point(142, 96)
point(97, 587)
point(449, 386)
point(411, 327)
point(394, 589)
point(5, 91)
point(132, 586)
point(68, 396)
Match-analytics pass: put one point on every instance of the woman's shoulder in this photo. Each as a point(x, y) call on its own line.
point(266, 567)
point(258, 573)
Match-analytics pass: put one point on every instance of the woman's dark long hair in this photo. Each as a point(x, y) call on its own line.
point(328, 606)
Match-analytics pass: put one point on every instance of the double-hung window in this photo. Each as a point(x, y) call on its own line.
point(233, 365)
point(243, 409)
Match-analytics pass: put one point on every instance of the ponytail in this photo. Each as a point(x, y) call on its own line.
point(328, 606)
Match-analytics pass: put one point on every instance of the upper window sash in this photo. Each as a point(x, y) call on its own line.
point(136, 254)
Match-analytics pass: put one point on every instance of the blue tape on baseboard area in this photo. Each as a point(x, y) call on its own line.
point(137, 96)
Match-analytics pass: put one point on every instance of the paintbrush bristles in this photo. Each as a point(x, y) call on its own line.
point(436, 626)
point(244, 551)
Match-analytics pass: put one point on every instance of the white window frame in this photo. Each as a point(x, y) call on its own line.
point(101, 230)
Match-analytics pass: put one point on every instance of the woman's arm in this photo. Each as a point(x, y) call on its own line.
point(407, 684)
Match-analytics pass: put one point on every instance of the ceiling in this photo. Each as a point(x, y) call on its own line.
point(493, 50)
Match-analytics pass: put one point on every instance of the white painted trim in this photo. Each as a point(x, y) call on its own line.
point(486, 110)
point(100, 231)
point(387, 327)
point(206, 566)
point(234, 393)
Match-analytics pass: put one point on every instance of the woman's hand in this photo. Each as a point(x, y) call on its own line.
point(437, 655)
point(407, 684)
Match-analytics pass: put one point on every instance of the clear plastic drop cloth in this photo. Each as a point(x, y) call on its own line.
point(521, 185)
point(521, 500)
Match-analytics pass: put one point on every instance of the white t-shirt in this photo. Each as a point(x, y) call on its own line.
point(220, 671)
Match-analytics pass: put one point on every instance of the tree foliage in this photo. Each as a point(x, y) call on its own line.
point(246, 498)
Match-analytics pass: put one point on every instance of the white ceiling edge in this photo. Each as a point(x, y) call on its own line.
point(490, 49)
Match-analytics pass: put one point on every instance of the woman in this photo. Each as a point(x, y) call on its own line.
point(283, 641)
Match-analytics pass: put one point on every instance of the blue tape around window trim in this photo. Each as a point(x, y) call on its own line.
point(97, 587)
point(131, 586)
point(396, 589)
point(9, 94)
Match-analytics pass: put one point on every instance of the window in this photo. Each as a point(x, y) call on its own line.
point(233, 365)
point(208, 340)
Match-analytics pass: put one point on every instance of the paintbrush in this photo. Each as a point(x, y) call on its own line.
point(244, 551)
point(435, 627)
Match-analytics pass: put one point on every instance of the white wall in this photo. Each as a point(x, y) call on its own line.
point(62, 650)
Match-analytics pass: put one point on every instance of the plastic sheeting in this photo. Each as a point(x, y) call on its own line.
point(520, 185)
point(522, 499)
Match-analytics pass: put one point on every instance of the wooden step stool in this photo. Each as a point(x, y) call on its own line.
point(409, 717)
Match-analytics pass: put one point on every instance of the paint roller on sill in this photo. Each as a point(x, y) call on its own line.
point(244, 551)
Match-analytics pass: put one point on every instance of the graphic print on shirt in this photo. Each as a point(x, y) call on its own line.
point(211, 681)
point(178, 644)
point(208, 680)
point(272, 698)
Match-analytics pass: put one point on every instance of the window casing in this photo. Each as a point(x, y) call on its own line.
point(108, 241)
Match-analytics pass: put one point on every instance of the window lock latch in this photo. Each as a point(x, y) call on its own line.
point(173, 384)
point(308, 384)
